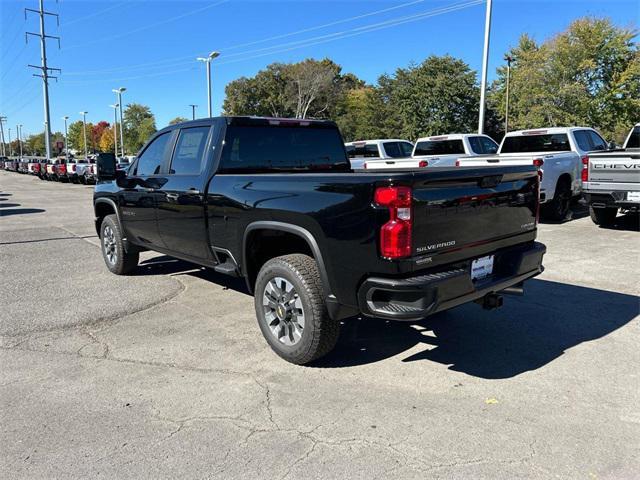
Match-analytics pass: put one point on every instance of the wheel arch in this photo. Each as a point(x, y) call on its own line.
point(103, 207)
point(250, 270)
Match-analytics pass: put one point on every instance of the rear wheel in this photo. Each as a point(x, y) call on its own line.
point(290, 308)
point(603, 216)
point(558, 208)
point(117, 259)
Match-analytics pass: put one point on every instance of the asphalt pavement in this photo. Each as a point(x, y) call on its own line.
point(165, 374)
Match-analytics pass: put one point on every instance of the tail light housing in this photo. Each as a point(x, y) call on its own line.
point(395, 235)
point(585, 168)
point(423, 163)
point(539, 162)
point(457, 163)
point(72, 168)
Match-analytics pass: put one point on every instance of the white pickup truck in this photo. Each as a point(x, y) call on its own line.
point(611, 181)
point(560, 153)
point(384, 149)
point(440, 151)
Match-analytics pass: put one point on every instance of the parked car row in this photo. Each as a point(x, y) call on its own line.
point(565, 158)
point(59, 169)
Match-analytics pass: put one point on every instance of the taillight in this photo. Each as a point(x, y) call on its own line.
point(585, 168)
point(457, 163)
point(395, 235)
point(423, 163)
point(73, 167)
point(538, 162)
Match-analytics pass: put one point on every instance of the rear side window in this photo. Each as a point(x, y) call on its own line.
point(483, 145)
point(582, 139)
point(392, 149)
point(151, 159)
point(439, 147)
point(558, 142)
point(189, 151)
point(634, 138)
point(407, 149)
point(259, 148)
point(597, 143)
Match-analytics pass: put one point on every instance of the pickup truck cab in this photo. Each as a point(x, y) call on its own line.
point(275, 201)
point(441, 151)
point(558, 152)
point(611, 180)
point(384, 150)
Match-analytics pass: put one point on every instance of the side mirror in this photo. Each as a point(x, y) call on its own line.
point(106, 166)
point(612, 145)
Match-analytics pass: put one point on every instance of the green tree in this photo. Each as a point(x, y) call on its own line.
point(75, 136)
point(139, 125)
point(438, 96)
point(586, 75)
point(177, 120)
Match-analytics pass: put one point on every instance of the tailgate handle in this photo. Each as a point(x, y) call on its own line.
point(490, 181)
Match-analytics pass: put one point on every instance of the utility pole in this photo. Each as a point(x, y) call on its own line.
point(10, 146)
point(2, 120)
point(115, 139)
point(485, 66)
point(509, 59)
point(84, 124)
point(44, 69)
point(19, 129)
point(115, 128)
point(193, 111)
point(208, 61)
point(66, 145)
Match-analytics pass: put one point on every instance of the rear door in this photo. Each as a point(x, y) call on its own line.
point(181, 212)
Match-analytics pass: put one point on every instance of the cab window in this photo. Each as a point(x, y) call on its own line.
point(189, 152)
point(150, 161)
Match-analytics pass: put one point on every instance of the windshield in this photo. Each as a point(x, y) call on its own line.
point(634, 138)
point(557, 142)
point(260, 147)
point(439, 147)
point(369, 150)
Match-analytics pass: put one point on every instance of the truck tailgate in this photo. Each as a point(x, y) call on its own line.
point(615, 167)
point(473, 206)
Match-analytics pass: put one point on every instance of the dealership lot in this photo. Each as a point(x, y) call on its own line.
point(166, 374)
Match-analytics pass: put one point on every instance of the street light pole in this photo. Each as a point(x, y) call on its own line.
point(208, 61)
point(193, 111)
point(119, 92)
point(10, 145)
point(115, 128)
point(66, 145)
point(485, 65)
point(4, 151)
point(509, 59)
point(84, 125)
point(20, 138)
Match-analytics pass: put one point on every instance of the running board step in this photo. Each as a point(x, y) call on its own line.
point(228, 268)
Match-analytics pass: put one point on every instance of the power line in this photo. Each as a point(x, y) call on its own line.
point(311, 41)
point(146, 27)
point(233, 47)
point(94, 14)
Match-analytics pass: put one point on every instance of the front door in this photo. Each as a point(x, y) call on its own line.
point(138, 203)
point(181, 209)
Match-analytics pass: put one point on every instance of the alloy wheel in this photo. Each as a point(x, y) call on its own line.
point(283, 311)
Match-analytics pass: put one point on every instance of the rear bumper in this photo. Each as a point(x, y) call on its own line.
point(416, 297)
point(611, 199)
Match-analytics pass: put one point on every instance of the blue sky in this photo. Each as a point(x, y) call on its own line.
point(150, 46)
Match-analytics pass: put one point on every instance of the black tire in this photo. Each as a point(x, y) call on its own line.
point(558, 208)
point(603, 216)
point(117, 259)
point(320, 332)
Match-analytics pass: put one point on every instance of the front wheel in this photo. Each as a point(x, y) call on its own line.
point(117, 259)
point(603, 216)
point(291, 312)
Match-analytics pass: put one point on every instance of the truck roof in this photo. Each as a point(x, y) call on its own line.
point(545, 131)
point(450, 136)
point(377, 140)
point(249, 119)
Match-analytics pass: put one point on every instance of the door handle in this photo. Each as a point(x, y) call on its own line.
point(193, 191)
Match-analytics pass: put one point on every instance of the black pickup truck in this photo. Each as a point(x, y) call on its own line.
point(275, 201)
